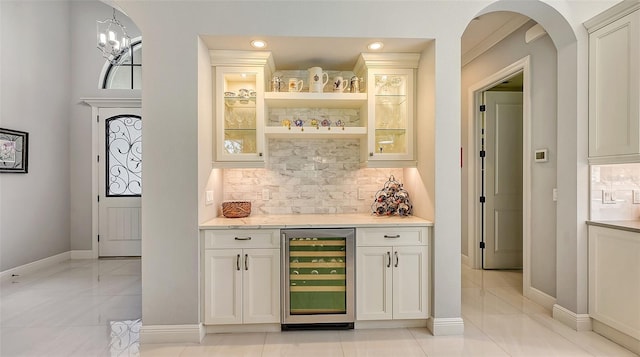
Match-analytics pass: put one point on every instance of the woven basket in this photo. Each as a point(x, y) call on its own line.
point(236, 209)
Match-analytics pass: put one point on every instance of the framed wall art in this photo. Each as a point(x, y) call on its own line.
point(14, 147)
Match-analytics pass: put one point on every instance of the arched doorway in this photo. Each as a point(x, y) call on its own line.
point(566, 285)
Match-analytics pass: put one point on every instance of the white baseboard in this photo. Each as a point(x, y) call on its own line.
point(446, 326)
point(540, 298)
point(242, 328)
point(172, 333)
point(578, 322)
point(616, 336)
point(82, 254)
point(377, 324)
point(33, 266)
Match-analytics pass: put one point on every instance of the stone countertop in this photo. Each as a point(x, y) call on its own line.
point(313, 221)
point(631, 226)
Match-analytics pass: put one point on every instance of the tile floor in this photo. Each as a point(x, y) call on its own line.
point(93, 307)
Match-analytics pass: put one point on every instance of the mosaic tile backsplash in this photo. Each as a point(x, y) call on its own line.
point(316, 176)
point(612, 192)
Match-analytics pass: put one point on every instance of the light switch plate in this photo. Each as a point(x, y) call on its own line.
point(208, 198)
point(636, 197)
point(607, 197)
point(265, 194)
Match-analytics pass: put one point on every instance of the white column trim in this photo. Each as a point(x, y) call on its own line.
point(578, 322)
point(446, 326)
point(191, 333)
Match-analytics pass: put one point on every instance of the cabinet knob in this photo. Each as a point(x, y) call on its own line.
point(388, 236)
point(397, 259)
point(388, 259)
point(238, 262)
point(260, 154)
point(242, 238)
point(371, 154)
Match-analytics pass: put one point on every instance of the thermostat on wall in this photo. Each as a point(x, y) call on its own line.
point(541, 155)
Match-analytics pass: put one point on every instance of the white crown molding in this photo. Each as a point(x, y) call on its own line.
point(621, 9)
point(386, 60)
point(113, 102)
point(534, 33)
point(242, 58)
point(493, 39)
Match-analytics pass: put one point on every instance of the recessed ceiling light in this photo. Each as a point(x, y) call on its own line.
point(374, 46)
point(258, 44)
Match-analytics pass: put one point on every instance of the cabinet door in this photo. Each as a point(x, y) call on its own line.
point(390, 114)
point(614, 80)
point(261, 285)
point(410, 282)
point(239, 114)
point(373, 283)
point(614, 279)
point(223, 287)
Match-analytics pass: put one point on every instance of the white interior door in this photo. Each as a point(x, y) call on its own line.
point(119, 182)
point(503, 180)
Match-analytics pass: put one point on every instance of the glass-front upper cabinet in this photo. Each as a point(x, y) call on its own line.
point(239, 114)
point(391, 114)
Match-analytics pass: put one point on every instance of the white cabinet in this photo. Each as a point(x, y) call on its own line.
point(241, 277)
point(239, 82)
point(391, 108)
point(614, 85)
point(392, 273)
point(614, 279)
point(247, 114)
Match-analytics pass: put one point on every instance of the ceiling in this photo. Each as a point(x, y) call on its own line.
point(298, 53)
point(341, 53)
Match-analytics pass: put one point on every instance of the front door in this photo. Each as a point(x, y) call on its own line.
point(119, 182)
point(503, 180)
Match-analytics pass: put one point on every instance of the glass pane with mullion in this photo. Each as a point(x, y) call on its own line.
point(137, 54)
point(137, 77)
point(119, 77)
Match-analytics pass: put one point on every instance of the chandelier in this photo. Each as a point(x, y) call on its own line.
point(113, 40)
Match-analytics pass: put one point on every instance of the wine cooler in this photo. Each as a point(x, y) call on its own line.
point(318, 278)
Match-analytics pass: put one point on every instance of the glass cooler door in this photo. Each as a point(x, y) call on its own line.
point(318, 274)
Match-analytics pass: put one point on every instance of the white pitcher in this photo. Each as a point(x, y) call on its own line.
point(317, 79)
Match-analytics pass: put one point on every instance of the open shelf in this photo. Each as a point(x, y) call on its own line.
point(315, 100)
point(313, 132)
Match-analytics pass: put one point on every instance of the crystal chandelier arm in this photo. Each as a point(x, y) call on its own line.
point(108, 33)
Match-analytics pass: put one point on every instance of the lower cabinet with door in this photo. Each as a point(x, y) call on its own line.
point(392, 277)
point(241, 277)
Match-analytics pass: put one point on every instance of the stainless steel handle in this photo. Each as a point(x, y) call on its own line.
point(242, 238)
point(238, 262)
point(388, 236)
point(388, 259)
point(246, 262)
point(397, 259)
